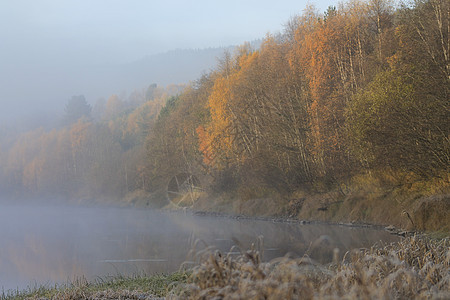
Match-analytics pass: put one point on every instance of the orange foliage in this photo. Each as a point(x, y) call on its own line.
point(204, 145)
point(78, 134)
point(219, 133)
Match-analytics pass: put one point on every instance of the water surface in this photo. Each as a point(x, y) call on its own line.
point(56, 244)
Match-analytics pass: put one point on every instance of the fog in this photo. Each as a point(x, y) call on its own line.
point(51, 50)
point(127, 53)
point(33, 90)
point(46, 244)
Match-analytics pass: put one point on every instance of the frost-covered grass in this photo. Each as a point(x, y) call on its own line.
point(415, 268)
point(136, 287)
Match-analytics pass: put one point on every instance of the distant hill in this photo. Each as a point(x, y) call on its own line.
point(176, 66)
point(171, 67)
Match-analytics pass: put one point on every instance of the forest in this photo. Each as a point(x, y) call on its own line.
point(91, 153)
point(359, 90)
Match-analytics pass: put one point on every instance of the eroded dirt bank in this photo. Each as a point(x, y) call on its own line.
point(403, 210)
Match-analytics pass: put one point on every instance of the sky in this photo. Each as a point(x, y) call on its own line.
point(43, 41)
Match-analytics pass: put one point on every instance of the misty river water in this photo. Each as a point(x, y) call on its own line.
point(57, 244)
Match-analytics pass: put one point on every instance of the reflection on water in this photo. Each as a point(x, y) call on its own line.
point(45, 245)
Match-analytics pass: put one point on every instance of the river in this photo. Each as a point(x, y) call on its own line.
point(47, 244)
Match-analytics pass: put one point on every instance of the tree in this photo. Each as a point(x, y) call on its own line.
point(380, 12)
point(76, 108)
point(393, 127)
point(150, 92)
point(114, 107)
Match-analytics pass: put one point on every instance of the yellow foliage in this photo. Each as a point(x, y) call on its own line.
point(218, 131)
point(78, 134)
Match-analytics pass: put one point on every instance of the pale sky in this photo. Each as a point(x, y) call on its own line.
point(50, 35)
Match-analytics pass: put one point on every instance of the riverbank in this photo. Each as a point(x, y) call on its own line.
point(420, 206)
point(414, 268)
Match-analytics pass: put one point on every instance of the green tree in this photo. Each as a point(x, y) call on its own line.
point(393, 126)
point(76, 108)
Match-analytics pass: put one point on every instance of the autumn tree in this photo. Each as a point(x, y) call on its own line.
point(113, 108)
point(317, 54)
point(172, 143)
point(380, 13)
point(103, 175)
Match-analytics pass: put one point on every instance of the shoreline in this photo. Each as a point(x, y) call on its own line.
point(389, 228)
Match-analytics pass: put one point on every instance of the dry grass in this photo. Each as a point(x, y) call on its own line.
point(415, 268)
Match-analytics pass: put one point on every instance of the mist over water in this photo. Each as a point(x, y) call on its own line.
point(46, 244)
